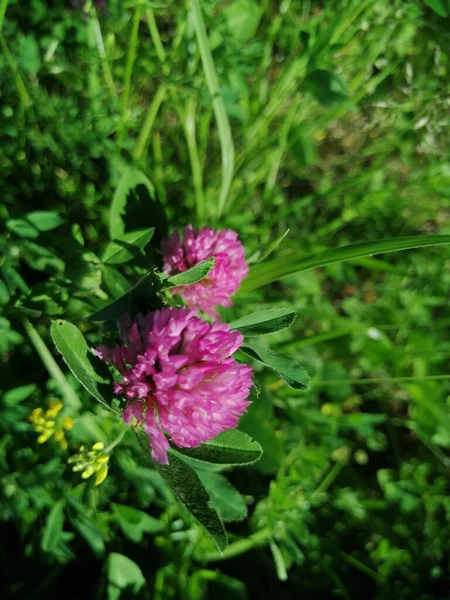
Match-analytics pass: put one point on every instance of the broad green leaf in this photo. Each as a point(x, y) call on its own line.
point(438, 6)
point(225, 498)
point(34, 222)
point(265, 273)
point(114, 282)
point(70, 342)
point(192, 275)
point(231, 447)
point(123, 574)
point(134, 206)
point(127, 246)
point(186, 485)
point(328, 88)
point(130, 180)
point(141, 298)
point(47, 297)
point(265, 321)
point(134, 523)
point(242, 17)
point(18, 394)
point(258, 422)
point(53, 527)
point(287, 368)
point(44, 220)
point(92, 534)
point(4, 294)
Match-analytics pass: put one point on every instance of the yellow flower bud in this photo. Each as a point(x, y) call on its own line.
point(101, 475)
point(89, 470)
point(98, 446)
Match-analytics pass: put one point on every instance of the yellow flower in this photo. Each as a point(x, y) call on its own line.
point(90, 462)
point(47, 423)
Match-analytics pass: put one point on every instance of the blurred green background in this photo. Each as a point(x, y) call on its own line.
point(335, 115)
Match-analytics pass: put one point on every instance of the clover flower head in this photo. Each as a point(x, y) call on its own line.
point(178, 376)
point(224, 279)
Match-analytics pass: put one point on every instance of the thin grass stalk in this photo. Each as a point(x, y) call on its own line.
point(131, 57)
point(223, 124)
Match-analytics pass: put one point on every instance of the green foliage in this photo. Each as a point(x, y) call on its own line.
point(316, 130)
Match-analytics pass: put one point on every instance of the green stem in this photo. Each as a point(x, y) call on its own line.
point(131, 56)
point(330, 477)
point(148, 123)
point(21, 88)
point(158, 168)
point(381, 380)
point(107, 74)
point(363, 568)
point(52, 367)
point(223, 124)
point(196, 166)
point(258, 539)
point(3, 7)
point(156, 38)
point(115, 442)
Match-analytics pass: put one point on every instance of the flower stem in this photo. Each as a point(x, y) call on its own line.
point(131, 56)
point(52, 367)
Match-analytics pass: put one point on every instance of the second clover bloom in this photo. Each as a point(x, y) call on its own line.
point(224, 279)
point(178, 376)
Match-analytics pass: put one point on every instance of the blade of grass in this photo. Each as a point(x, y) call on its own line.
point(131, 56)
point(265, 273)
point(148, 123)
point(107, 74)
point(51, 365)
point(223, 124)
point(156, 39)
point(21, 87)
point(3, 7)
point(188, 120)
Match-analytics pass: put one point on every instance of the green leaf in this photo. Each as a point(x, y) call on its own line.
point(287, 368)
point(130, 180)
point(70, 342)
point(47, 297)
point(438, 6)
point(220, 112)
point(231, 447)
point(44, 220)
point(134, 206)
point(127, 246)
point(4, 293)
point(141, 298)
point(114, 282)
point(18, 394)
point(192, 275)
point(28, 54)
point(225, 498)
point(265, 321)
point(186, 485)
point(22, 228)
point(258, 422)
point(92, 534)
point(265, 273)
point(242, 17)
point(259, 255)
point(53, 527)
point(123, 574)
point(328, 88)
point(134, 523)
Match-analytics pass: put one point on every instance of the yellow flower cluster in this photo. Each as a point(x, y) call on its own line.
point(47, 423)
point(90, 462)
